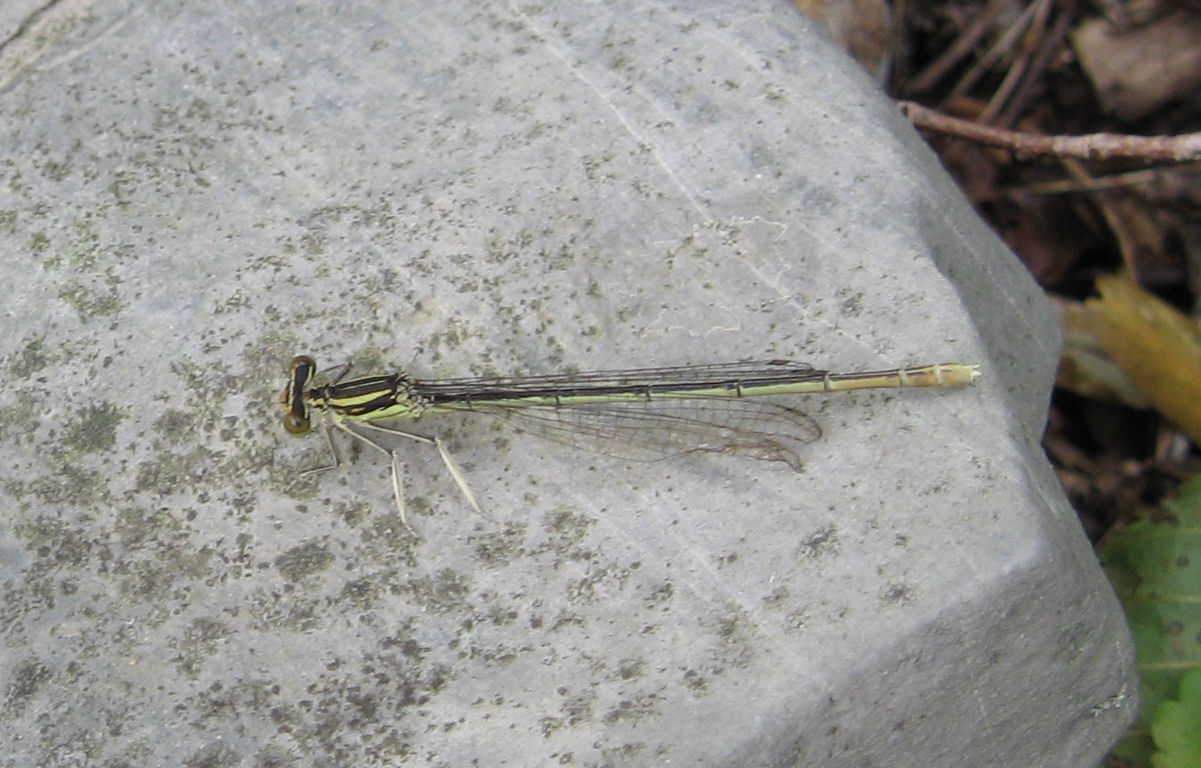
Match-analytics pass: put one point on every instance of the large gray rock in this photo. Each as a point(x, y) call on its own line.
point(195, 192)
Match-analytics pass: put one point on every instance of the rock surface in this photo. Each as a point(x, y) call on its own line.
point(194, 192)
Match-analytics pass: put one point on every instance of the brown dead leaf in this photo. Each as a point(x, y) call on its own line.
point(862, 28)
point(1137, 70)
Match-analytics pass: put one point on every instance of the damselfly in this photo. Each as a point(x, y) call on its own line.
point(646, 413)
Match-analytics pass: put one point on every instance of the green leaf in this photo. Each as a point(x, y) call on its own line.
point(1177, 727)
point(1154, 565)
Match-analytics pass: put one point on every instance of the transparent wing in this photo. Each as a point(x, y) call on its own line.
point(659, 428)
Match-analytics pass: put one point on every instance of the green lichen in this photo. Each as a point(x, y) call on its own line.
point(304, 560)
point(94, 428)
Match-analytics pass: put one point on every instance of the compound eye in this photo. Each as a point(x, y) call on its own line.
point(296, 424)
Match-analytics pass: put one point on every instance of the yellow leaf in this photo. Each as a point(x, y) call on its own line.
point(1157, 347)
point(1084, 368)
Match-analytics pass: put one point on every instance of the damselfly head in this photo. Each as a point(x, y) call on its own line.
point(296, 411)
point(297, 424)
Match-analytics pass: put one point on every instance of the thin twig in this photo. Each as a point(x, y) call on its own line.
point(959, 49)
point(1020, 64)
point(1098, 184)
point(996, 52)
point(1034, 82)
point(1093, 146)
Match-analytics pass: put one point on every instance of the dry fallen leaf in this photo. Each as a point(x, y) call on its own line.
point(1158, 348)
point(1135, 71)
point(1084, 368)
point(862, 28)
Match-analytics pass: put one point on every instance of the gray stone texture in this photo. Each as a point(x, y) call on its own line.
point(192, 192)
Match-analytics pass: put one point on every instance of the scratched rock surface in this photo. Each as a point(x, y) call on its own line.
point(194, 192)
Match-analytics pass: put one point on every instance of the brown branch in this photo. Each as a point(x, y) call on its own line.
point(1093, 146)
